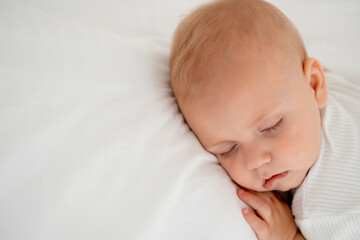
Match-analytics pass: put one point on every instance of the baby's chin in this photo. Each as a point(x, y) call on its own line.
point(284, 189)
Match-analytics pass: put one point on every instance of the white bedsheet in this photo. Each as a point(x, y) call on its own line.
point(92, 145)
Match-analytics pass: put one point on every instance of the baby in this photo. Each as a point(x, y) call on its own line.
point(248, 90)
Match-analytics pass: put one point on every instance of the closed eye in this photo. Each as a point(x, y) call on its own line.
point(231, 152)
point(274, 128)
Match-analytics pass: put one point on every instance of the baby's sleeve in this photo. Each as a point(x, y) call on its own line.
point(331, 227)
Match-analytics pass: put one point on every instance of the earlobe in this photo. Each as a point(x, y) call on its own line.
point(314, 76)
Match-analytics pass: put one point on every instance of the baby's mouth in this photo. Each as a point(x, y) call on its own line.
point(268, 183)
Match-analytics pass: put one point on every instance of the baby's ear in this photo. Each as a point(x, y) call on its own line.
point(315, 77)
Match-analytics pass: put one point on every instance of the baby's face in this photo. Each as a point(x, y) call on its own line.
point(262, 123)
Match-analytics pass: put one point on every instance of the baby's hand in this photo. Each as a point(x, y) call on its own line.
point(272, 218)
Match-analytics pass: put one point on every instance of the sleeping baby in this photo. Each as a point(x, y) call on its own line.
point(254, 98)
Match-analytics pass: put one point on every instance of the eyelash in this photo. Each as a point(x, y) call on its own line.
point(273, 128)
point(265, 131)
point(230, 152)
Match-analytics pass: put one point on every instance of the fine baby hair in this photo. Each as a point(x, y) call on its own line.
point(205, 37)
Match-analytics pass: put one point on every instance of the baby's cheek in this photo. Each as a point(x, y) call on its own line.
point(292, 140)
point(299, 148)
point(239, 173)
point(291, 146)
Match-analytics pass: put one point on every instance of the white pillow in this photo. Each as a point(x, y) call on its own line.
point(92, 143)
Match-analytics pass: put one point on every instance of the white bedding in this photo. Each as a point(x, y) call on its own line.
point(92, 145)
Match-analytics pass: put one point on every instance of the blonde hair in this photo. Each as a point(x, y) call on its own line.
point(205, 37)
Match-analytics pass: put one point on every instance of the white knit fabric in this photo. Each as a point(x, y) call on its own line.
point(327, 204)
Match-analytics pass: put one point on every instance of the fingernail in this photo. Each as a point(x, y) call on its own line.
point(246, 211)
point(241, 191)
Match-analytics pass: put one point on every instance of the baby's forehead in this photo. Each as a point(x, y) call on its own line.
point(256, 69)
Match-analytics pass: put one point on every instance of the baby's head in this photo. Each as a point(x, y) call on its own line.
point(247, 89)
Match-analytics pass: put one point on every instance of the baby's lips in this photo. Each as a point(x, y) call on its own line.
point(270, 182)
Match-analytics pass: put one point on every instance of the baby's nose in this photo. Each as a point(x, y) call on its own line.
point(255, 159)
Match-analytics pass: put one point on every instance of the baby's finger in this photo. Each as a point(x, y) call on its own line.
point(261, 206)
point(257, 224)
